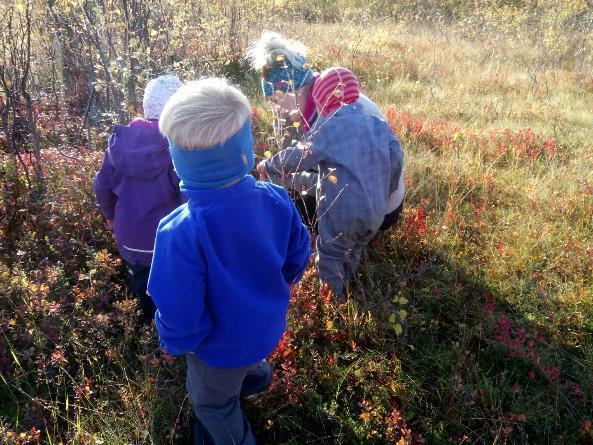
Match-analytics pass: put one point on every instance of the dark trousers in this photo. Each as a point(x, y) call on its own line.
point(391, 218)
point(215, 396)
point(138, 283)
point(307, 207)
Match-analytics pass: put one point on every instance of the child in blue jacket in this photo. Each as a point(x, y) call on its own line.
point(225, 262)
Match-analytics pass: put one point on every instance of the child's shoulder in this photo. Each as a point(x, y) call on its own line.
point(179, 219)
point(273, 190)
point(350, 123)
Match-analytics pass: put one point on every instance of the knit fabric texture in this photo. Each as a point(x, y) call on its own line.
point(157, 93)
point(334, 88)
point(287, 74)
point(212, 167)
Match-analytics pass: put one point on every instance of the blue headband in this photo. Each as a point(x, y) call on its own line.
point(288, 74)
point(213, 167)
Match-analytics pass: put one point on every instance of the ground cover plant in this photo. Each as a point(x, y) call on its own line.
point(470, 322)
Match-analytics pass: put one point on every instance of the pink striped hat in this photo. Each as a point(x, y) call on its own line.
point(335, 87)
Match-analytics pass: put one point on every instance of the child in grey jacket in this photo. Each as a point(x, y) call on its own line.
point(360, 165)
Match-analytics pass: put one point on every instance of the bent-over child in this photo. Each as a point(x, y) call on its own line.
point(360, 170)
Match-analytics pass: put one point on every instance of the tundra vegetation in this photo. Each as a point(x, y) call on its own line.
point(471, 321)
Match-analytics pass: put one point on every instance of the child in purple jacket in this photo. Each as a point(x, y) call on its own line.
point(137, 186)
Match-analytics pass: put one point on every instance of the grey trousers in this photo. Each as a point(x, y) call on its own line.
point(215, 395)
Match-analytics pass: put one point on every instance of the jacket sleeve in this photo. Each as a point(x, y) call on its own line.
point(103, 191)
point(397, 162)
point(302, 157)
point(299, 249)
point(177, 284)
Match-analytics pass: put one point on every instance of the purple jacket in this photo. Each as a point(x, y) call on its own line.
point(136, 187)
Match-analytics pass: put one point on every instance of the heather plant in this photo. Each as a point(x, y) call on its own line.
point(472, 319)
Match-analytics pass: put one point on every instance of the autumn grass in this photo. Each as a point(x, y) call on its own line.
point(497, 339)
point(470, 322)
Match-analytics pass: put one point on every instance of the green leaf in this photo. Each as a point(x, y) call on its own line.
point(392, 318)
point(398, 329)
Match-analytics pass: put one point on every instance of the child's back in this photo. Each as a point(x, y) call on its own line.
point(221, 268)
point(225, 262)
point(360, 165)
point(354, 181)
point(137, 186)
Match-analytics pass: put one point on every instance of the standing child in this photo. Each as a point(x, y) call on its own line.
point(225, 262)
point(137, 186)
point(360, 170)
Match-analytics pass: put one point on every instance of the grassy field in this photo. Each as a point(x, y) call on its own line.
point(473, 318)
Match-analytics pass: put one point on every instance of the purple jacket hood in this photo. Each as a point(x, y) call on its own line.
point(140, 151)
point(136, 187)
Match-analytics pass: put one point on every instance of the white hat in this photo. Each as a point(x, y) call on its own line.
point(157, 93)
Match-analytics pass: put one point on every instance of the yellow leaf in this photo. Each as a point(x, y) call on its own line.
point(403, 314)
point(268, 154)
point(403, 300)
point(333, 179)
point(329, 325)
point(296, 124)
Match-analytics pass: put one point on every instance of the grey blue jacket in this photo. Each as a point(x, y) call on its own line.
point(307, 180)
point(360, 166)
point(360, 163)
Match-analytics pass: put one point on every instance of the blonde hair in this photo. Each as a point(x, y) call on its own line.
point(204, 113)
point(263, 52)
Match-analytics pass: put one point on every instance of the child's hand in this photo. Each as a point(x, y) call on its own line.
point(110, 223)
point(261, 169)
point(293, 288)
point(326, 293)
point(295, 115)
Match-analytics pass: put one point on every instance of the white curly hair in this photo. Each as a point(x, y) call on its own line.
point(263, 52)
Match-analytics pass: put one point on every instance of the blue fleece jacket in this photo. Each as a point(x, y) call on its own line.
point(220, 272)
